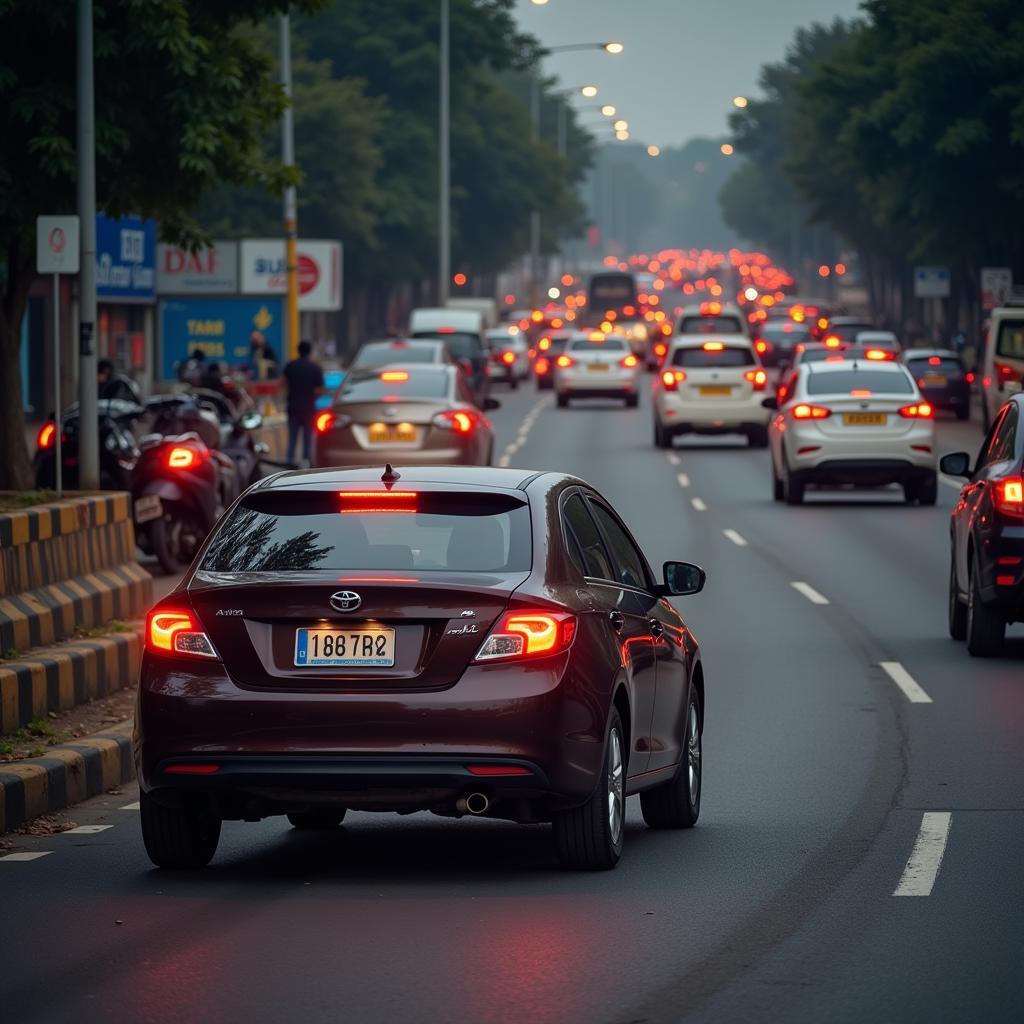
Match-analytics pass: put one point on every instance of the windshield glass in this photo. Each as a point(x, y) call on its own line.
point(605, 345)
point(840, 382)
point(710, 325)
point(380, 353)
point(461, 346)
point(731, 355)
point(1011, 339)
point(403, 383)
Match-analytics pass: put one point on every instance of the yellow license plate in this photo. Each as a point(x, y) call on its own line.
point(599, 367)
point(935, 379)
point(390, 433)
point(864, 419)
point(715, 390)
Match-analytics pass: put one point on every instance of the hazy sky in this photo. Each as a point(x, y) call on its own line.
point(684, 59)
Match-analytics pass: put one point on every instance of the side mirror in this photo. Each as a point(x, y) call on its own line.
point(491, 403)
point(251, 421)
point(770, 403)
point(956, 464)
point(683, 578)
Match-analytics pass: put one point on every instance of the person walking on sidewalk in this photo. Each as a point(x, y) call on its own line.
point(305, 382)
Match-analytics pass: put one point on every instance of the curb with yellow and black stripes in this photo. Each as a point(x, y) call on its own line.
point(67, 774)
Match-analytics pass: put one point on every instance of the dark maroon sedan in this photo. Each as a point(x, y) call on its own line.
point(465, 641)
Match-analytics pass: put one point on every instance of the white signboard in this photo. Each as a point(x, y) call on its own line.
point(263, 271)
point(57, 245)
point(931, 282)
point(996, 286)
point(212, 271)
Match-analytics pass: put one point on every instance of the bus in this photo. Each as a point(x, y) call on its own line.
point(611, 290)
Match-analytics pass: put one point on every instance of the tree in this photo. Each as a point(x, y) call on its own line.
point(182, 100)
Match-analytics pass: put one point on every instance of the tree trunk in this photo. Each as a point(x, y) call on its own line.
point(15, 466)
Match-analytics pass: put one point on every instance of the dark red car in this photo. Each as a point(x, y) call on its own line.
point(465, 641)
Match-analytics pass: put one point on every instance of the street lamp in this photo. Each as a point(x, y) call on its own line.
point(621, 134)
point(739, 101)
point(590, 91)
point(727, 149)
point(608, 110)
point(620, 125)
point(653, 151)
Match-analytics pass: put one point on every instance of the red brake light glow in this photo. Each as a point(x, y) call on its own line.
point(803, 411)
point(1009, 495)
point(660, 349)
point(758, 378)
point(628, 362)
point(544, 344)
point(460, 421)
point(761, 346)
point(525, 634)
point(192, 769)
point(1005, 374)
point(934, 361)
point(713, 346)
point(378, 501)
point(47, 435)
point(174, 631)
point(832, 341)
point(182, 458)
point(541, 366)
point(508, 358)
point(484, 770)
point(394, 376)
point(917, 411)
point(879, 354)
point(671, 379)
point(565, 362)
point(323, 422)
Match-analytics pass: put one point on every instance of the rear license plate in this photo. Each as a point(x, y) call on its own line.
point(391, 433)
point(599, 367)
point(148, 507)
point(373, 648)
point(864, 419)
point(935, 380)
point(715, 390)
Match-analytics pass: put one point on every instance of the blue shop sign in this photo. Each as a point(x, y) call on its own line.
point(220, 327)
point(125, 259)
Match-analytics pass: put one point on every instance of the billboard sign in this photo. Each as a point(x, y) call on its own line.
point(263, 271)
point(212, 271)
point(996, 286)
point(220, 327)
point(125, 259)
point(931, 282)
point(57, 245)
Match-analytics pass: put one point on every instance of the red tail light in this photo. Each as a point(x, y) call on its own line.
point(1009, 495)
point(628, 362)
point(378, 501)
point(193, 768)
point(970, 378)
point(671, 379)
point(803, 411)
point(761, 346)
point(879, 355)
point(833, 341)
point(564, 362)
point(47, 435)
point(323, 422)
point(461, 421)
point(660, 349)
point(528, 634)
point(182, 458)
point(175, 631)
point(541, 366)
point(917, 411)
point(666, 329)
point(508, 358)
point(934, 361)
point(1005, 374)
point(758, 378)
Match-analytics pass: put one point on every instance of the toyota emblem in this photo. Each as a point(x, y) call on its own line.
point(345, 601)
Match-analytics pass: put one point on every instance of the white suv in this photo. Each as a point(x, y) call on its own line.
point(711, 385)
point(1001, 366)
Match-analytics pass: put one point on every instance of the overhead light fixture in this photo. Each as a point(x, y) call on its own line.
point(653, 151)
point(590, 91)
point(608, 110)
point(614, 47)
point(620, 125)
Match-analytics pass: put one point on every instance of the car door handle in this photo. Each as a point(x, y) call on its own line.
point(657, 629)
point(618, 621)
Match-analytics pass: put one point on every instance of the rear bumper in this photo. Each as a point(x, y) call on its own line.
point(863, 472)
point(703, 416)
point(595, 384)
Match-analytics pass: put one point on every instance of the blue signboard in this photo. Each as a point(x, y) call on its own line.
point(125, 259)
point(220, 327)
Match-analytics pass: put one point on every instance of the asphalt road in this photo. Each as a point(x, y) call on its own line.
point(826, 791)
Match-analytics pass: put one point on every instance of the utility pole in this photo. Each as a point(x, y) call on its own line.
point(535, 214)
point(291, 216)
point(444, 234)
point(88, 420)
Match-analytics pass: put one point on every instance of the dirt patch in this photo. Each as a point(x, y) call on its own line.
point(46, 825)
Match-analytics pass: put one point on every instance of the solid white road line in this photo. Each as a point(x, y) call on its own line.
point(21, 857)
point(523, 433)
point(906, 682)
point(85, 830)
point(926, 858)
point(673, 458)
point(809, 592)
point(684, 480)
point(698, 505)
point(736, 538)
point(131, 807)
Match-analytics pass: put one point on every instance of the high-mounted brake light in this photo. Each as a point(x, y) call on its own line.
point(934, 361)
point(461, 421)
point(1009, 495)
point(175, 631)
point(917, 411)
point(1005, 374)
point(758, 378)
point(671, 379)
point(833, 341)
point(394, 376)
point(803, 411)
point(47, 435)
point(713, 346)
point(628, 362)
point(192, 768)
point(323, 422)
point(564, 362)
point(182, 458)
point(527, 634)
point(878, 355)
point(378, 501)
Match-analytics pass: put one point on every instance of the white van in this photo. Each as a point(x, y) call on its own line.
point(462, 331)
point(1001, 367)
point(487, 308)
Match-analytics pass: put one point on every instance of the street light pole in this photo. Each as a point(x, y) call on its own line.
point(444, 235)
point(535, 214)
point(291, 216)
point(88, 420)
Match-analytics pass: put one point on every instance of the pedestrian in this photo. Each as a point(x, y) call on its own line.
point(191, 370)
point(305, 382)
point(262, 358)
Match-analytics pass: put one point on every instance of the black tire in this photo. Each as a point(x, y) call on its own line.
point(160, 544)
point(676, 803)
point(322, 818)
point(910, 492)
point(563, 401)
point(662, 438)
point(178, 837)
point(514, 383)
point(986, 628)
point(757, 437)
point(778, 487)
point(957, 608)
point(792, 486)
point(586, 837)
point(928, 489)
point(632, 401)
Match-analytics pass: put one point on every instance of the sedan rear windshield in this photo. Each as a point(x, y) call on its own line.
point(935, 364)
point(710, 325)
point(605, 345)
point(377, 354)
point(878, 382)
point(360, 387)
point(782, 332)
point(1010, 342)
point(461, 346)
point(730, 355)
point(282, 531)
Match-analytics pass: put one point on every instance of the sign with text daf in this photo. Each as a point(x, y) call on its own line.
point(263, 271)
point(212, 271)
point(125, 259)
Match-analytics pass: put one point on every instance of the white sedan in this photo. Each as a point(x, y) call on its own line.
point(854, 423)
point(597, 365)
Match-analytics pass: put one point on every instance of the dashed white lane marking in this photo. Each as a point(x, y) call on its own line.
point(683, 479)
point(14, 858)
point(698, 505)
point(673, 458)
point(926, 858)
point(809, 592)
point(951, 481)
point(131, 807)
point(505, 459)
point(85, 830)
point(737, 538)
point(906, 682)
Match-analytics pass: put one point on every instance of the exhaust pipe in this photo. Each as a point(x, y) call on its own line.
point(472, 803)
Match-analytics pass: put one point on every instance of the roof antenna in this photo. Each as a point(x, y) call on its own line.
point(390, 477)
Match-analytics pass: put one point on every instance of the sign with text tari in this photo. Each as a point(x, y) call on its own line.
point(125, 259)
point(263, 271)
point(931, 282)
point(57, 245)
point(212, 271)
point(220, 327)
